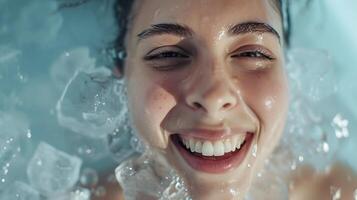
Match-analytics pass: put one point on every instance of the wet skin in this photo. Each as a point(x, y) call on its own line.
point(198, 66)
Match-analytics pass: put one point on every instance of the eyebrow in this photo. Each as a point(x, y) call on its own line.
point(253, 27)
point(166, 28)
point(185, 31)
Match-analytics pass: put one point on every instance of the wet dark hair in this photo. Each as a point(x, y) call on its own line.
point(122, 10)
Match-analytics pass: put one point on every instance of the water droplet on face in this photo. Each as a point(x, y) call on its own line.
point(234, 192)
point(293, 165)
point(336, 193)
point(221, 34)
point(301, 158)
point(255, 149)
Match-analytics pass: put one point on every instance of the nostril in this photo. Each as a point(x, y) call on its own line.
point(197, 105)
point(227, 105)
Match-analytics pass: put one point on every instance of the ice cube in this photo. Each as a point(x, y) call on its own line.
point(119, 143)
point(92, 103)
point(52, 171)
point(148, 178)
point(20, 191)
point(77, 193)
point(66, 65)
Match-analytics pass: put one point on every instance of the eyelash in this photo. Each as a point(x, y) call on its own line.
point(165, 55)
point(255, 54)
point(172, 54)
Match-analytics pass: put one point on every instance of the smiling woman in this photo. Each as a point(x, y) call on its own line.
point(207, 90)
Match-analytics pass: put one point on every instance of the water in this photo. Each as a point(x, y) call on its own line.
point(57, 90)
point(20, 191)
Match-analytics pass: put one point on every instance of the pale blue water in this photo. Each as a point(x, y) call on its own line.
point(41, 47)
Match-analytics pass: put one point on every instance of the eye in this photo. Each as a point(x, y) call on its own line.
point(166, 53)
point(254, 54)
point(167, 58)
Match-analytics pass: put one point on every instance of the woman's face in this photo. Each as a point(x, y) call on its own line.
point(207, 88)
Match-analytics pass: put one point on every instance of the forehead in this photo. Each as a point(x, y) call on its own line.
point(204, 15)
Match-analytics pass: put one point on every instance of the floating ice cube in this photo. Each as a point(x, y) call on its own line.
point(89, 149)
point(148, 178)
point(66, 65)
point(20, 191)
point(92, 103)
point(77, 193)
point(120, 142)
point(52, 171)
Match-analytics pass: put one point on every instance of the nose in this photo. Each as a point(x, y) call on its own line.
point(213, 94)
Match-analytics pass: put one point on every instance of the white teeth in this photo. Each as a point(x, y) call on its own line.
point(187, 144)
point(198, 146)
point(227, 146)
point(192, 145)
point(240, 140)
point(234, 143)
point(207, 149)
point(214, 148)
point(218, 148)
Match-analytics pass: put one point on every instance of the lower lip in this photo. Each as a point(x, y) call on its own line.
point(214, 164)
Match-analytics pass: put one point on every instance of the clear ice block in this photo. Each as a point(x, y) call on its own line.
point(52, 171)
point(77, 193)
point(92, 103)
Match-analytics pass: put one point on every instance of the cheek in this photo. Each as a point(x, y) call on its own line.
point(268, 97)
point(158, 103)
point(149, 103)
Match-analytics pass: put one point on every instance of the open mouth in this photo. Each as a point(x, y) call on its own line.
point(213, 156)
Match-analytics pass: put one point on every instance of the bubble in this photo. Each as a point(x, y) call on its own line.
point(341, 126)
point(89, 177)
point(137, 145)
point(301, 158)
point(325, 147)
point(80, 194)
point(29, 134)
point(100, 191)
point(293, 166)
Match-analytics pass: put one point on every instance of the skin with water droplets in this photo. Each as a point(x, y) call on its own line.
point(213, 84)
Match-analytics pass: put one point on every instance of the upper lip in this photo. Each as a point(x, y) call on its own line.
point(210, 134)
